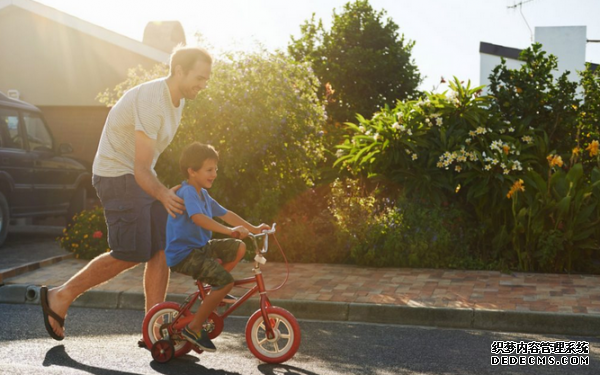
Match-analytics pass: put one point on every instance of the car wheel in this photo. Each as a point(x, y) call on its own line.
point(77, 204)
point(4, 218)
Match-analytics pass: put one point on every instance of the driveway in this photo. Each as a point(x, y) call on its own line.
point(29, 243)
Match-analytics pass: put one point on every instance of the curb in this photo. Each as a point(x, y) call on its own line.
point(12, 272)
point(505, 321)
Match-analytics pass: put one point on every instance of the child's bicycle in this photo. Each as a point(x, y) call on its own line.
point(272, 333)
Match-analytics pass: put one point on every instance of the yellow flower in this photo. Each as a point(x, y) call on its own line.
point(506, 149)
point(555, 160)
point(86, 236)
point(593, 148)
point(576, 151)
point(518, 185)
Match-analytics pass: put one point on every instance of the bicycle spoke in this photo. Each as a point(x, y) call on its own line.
point(262, 341)
point(286, 336)
point(276, 347)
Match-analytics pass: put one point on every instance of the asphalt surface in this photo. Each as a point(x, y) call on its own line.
point(103, 342)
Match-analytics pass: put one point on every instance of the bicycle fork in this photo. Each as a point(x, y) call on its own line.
point(264, 302)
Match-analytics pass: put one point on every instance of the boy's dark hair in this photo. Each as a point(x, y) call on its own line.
point(194, 155)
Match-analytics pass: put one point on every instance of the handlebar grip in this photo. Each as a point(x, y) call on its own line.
point(235, 234)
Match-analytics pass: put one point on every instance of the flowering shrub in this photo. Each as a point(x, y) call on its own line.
point(86, 236)
point(481, 153)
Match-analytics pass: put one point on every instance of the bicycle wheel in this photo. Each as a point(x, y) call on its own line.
point(159, 316)
point(283, 345)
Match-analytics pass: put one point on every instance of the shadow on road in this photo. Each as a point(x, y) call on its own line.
point(283, 370)
point(57, 356)
point(186, 365)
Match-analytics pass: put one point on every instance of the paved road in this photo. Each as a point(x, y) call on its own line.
point(26, 244)
point(103, 342)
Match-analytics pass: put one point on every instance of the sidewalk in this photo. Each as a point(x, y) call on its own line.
point(517, 302)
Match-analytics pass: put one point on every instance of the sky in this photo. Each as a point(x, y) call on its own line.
point(447, 32)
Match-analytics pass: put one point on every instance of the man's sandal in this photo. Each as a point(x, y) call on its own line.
point(48, 312)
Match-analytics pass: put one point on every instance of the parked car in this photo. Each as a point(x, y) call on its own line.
point(36, 179)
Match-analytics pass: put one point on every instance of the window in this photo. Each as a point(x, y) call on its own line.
point(9, 129)
point(38, 136)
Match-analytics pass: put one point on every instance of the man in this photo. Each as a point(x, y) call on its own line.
point(137, 130)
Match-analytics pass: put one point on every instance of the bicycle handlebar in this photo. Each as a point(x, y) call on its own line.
point(264, 233)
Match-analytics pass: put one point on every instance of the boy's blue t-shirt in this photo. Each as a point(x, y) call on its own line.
point(182, 234)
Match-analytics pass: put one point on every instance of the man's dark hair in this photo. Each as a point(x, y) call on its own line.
point(187, 57)
point(194, 155)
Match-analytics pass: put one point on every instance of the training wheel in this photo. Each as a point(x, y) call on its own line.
point(163, 351)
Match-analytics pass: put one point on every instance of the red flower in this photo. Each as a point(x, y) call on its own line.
point(97, 234)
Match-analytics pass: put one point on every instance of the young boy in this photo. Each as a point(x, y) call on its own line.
point(190, 249)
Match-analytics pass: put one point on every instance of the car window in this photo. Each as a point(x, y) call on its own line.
point(38, 136)
point(9, 129)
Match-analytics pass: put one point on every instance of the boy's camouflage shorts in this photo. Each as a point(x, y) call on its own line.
point(202, 263)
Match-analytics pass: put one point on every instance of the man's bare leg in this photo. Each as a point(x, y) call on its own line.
point(156, 279)
point(100, 270)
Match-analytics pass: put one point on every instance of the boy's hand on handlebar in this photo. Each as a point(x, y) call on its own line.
point(239, 232)
point(259, 229)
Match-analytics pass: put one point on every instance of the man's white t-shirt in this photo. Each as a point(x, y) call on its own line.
point(147, 107)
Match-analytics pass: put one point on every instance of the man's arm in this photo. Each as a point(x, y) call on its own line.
point(144, 154)
point(234, 219)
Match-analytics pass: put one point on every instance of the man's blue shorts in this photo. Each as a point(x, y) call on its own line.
point(136, 221)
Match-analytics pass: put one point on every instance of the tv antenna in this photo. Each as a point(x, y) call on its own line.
point(520, 6)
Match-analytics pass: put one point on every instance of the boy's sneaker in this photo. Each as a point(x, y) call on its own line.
point(200, 339)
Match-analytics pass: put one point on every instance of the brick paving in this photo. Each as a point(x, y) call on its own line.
point(578, 294)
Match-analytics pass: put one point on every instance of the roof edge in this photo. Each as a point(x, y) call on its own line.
point(509, 52)
point(89, 28)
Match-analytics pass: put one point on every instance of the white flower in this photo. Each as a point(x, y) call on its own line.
point(402, 128)
point(368, 132)
point(487, 167)
point(376, 136)
point(472, 133)
point(481, 130)
point(439, 121)
point(527, 139)
point(458, 168)
point(506, 171)
point(409, 132)
point(339, 153)
point(427, 121)
point(468, 141)
point(361, 129)
point(396, 126)
point(511, 129)
point(414, 157)
point(407, 151)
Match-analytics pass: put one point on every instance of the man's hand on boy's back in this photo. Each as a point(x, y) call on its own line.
point(173, 204)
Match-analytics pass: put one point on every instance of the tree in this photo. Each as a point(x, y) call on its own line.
point(262, 114)
point(362, 62)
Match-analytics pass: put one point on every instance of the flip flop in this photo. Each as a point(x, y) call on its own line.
point(48, 311)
